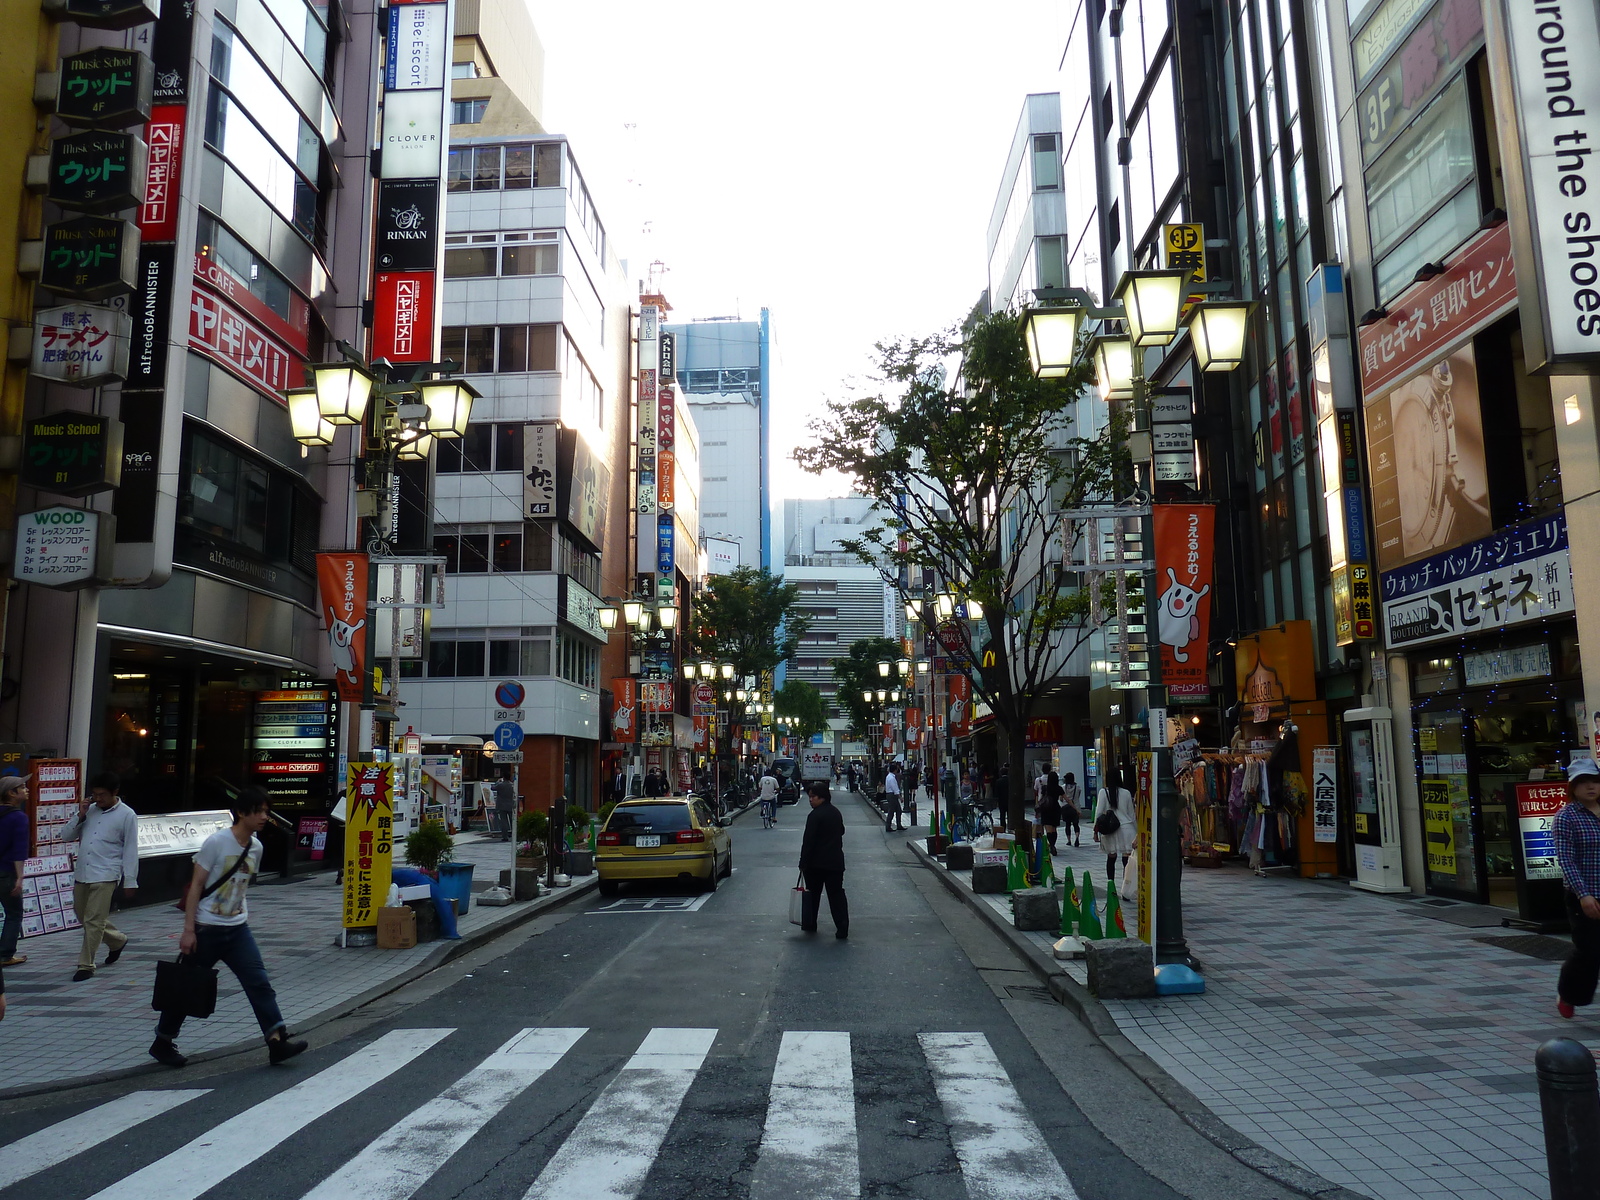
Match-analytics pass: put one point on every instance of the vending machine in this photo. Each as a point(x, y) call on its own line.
point(1374, 808)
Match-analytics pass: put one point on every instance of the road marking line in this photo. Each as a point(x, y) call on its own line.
point(212, 1157)
point(648, 905)
point(808, 1147)
point(39, 1151)
point(400, 1160)
point(1002, 1153)
point(609, 1154)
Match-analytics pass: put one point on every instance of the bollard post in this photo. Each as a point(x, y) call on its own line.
point(1570, 1104)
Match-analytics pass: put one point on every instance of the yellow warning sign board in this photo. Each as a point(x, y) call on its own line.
point(1438, 826)
point(1184, 246)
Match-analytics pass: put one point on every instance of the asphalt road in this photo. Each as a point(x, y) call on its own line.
point(664, 1045)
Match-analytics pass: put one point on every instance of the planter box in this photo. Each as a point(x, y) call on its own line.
point(580, 862)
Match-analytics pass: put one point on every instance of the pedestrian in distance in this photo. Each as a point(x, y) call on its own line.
point(1048, 810)
point(822, 862)
point(1113, 821)
point(1002, 789)
point(975, 778)
point(107, 833)
point(655, 783)
point(1071, 808)
point(909, 782)
point(216, 928)
point(15, 835)
point(1577, 834)
point(505, 806)
point(769, 799)
point(893, 816)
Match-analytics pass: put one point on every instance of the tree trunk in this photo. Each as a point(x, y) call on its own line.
point(1017, 781)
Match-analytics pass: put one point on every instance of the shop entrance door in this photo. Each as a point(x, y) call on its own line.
point(1452, 832)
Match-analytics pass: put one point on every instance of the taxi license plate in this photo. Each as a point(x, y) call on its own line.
point(647, 841)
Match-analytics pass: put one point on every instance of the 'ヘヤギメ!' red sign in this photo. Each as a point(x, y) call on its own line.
point(1184, 552)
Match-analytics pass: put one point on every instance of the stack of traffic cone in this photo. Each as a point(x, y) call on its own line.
point(1114, 926)
point(1088, 920)
point(1047, 870)
point(1016, 869)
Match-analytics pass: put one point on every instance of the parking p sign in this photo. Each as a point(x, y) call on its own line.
point(507, 735)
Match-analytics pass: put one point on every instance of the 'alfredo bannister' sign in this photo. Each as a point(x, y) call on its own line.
point(1547, 99)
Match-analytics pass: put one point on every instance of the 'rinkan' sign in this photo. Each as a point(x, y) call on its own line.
point(1547, 103)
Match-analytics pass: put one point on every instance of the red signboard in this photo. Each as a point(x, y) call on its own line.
point(1540, 799)
point(702, 727)
point(221, 332)
point(959, 690)
point(1044, 731)
point(402, 316)
point(1184, 553)
point(655, 695)
point(158, 215)
point(293, 330)
point(624, 710)
point(342, 584)
point(1478, 285)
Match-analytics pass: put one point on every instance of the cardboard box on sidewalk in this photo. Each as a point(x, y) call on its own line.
point(397, 928)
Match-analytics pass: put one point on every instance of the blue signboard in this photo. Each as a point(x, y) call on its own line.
point(1355, 525)
point(507, 735)
point(665, 544)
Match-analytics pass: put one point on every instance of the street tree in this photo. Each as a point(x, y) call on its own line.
point(803, 705)
point(977, 460)
point(750, 618)
point(857, 673)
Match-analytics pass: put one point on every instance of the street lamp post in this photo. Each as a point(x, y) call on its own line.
point(1151, 304)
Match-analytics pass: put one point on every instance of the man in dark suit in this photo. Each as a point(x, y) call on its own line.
point(822, 862)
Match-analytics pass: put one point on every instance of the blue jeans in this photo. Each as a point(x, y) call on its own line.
point(235, 946)
point(13, 910)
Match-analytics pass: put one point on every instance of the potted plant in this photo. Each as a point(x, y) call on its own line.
point(532, 828)
point(579, 859)
point(428, 845)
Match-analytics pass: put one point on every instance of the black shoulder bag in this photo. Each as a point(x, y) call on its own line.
point(187, 987)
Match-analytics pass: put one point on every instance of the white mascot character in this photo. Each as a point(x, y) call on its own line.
point(340, 636)
point(1179, 622)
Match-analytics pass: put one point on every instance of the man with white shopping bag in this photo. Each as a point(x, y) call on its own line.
point(822, 862)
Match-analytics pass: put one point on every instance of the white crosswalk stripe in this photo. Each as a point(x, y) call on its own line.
point(808, 1147)
point(609, 1153)
point(402, 1159)
point(1002, 1153)
point(233, 1145)
point(59, 1142)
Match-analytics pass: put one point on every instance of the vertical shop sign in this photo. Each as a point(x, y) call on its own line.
point(647, 502)
point(404, 328)
point(1144, 846)
point(1324, 794)
point(158, 215)
point(959, 689)
point(624, 710)
point(342, 584)
point(368, 841)
point(1183, 557)
point(1438, 826)
point(1537, 806)
point(540, 443)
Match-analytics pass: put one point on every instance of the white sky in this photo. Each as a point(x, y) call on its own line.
point(834, 162)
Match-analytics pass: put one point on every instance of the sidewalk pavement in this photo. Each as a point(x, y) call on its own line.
point(1369, 1039)
point(58, 1033)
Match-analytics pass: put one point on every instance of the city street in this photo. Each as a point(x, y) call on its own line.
point(665, 1045)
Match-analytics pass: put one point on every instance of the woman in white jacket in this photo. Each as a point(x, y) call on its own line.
point(1114, 798)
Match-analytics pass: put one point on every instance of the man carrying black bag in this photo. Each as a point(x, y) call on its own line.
point(216, 929)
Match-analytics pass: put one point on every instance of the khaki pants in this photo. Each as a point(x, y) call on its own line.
point(92, 903)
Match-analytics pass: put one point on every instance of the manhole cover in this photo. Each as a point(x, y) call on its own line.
point(1029, 991)
point(1534, 945)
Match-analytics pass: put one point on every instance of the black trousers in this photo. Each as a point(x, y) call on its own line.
point(1581, 971)
point(838, 905)
point(892, 818)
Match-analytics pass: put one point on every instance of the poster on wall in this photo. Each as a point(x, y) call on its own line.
point(1537, 806)
point(342, 585)
point(1184, 536)
point(368, 842)
point(1430, 480)
point(624, 710)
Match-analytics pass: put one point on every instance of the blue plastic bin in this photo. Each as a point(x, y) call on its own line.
point(455, 883)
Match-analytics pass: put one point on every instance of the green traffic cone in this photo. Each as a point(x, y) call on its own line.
point(1016, 869)
point(1114, 925)
point(1069, 906)
point(933, 824)
point(1047, 870)
point(1088, 920)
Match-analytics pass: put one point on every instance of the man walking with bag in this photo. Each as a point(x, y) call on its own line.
point(216, 928)
point(822, 862)
point(107, 833)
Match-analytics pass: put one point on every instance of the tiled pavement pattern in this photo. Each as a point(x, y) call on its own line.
point(1353, 1035)
point(57, 1030)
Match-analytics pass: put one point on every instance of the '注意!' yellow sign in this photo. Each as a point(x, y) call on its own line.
point(368, 842)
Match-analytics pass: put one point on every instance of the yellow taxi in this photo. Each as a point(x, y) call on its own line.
point(663, 837)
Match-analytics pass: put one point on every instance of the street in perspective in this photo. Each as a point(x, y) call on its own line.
point(927, 601)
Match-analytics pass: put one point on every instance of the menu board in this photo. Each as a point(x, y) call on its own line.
point(47, 895)
point(56, 792)
point(293, 741)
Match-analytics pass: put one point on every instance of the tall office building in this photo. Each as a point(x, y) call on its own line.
point(725, 372)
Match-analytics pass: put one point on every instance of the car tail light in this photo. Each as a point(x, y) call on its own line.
point(691, 835)
point(611, 839)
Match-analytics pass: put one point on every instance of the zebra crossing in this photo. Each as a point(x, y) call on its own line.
point(809, 1147)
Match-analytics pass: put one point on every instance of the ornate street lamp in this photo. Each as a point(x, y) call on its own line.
point(707, 670)
point(727, 670)
point(1051, 332)
point(1218, 329)
point(608, 614)
point(1113, 367)
point(343, 389)
point(449, 404)
point(894, 695)
point(883, 668)
point(913, 610)
point(904, 666)
point(882, 695)
point(632, 612)
point(922, 666)
point(645, 617)
point(667, 614)
point(866, 694)
point(945, 605)
point(415, 448)
point(688, 671)
point(309, 426)
point(1153, 301)
point(974, 610)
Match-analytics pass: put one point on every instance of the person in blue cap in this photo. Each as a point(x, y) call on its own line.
point(1577, 834)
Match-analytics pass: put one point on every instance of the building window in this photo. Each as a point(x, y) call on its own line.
point(245, 503)
point(467, 112)
point(480, 255)
point(477, 550)
point(1046, 162)
point(514, 168)
point(484, 447)
point(503, 349)
point(464, 70)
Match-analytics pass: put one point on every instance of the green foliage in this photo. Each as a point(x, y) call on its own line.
point(532, 826)
point(858, 672)
point(805, 706)
point(428, 845)
point(577, 823)
point(738, 617)
point(605, 812)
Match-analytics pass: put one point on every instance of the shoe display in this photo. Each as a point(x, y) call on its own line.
point(281, 1049)
point(163, 1050)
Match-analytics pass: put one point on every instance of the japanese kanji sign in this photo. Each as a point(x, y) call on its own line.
point(1518, 575)
point(221, 331)
point(81, 344)
point(158, 213)
point(342, 597)
point(403, 309)
point(97, 172)
point(1183, 555)
point(91, 258)
point(368, 841)
point(64, 547)
point(1325, 794)
point(72, 453)
point(1435, 49)
point(105, 89)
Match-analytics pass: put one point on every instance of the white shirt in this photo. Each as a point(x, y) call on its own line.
point(108, 844)
point(226, 905)
point(891, 784)
point(769, 787)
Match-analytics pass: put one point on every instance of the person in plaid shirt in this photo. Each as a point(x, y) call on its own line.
point(1577, 833)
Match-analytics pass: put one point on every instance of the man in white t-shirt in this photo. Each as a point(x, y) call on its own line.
point(216, 928)
point(893, 814)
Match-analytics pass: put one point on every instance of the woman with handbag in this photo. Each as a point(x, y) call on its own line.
point(1113, 822)
point(216, 929)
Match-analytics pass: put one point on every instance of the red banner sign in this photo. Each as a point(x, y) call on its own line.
point(342, 584)
point(655, 695)
point(1044, 731)
point(221, 332)
point(402, 316)
point(702, 729)
point(158, 215)
point(293, 330)
point(1184, 558)
point(959, 690)
point(624, 710)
